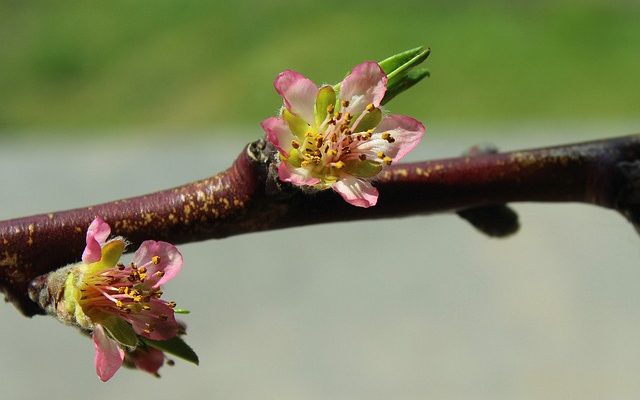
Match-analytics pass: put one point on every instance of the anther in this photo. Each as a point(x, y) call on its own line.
point(330, 108)
point(339, 164)
point(295, 144)
point(142, 270)
point(370, 107)
point(155, 260)
point(387, 160)
point(362, 157)
point(332, 152)
point(381, 155)
point(171, 304)
point(121, 266)
point(345, 103)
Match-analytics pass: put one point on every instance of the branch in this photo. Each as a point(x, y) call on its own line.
point(248, 197)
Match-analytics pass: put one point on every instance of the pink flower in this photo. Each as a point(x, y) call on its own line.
point(341, 143)
point(121, 302)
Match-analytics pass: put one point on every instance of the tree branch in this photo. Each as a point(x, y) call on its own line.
point(248, 197)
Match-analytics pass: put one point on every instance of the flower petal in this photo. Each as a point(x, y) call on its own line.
point(160, 318)
point(149, 359)
point(161, 269)
point(278, 133)
point(299, 94)
point(406, 131)
point(109, 355)
point(356, 191)
point(97, 234)
point(297, 176)
point(366, 84)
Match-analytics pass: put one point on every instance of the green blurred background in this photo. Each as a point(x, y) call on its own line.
point(77, 67)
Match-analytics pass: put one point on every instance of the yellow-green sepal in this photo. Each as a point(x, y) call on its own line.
point(364, 168)
point(71, 293)
point(369, 121)
point(326, 97)
point(294, 158)
point(297, 125)
point(110, 255)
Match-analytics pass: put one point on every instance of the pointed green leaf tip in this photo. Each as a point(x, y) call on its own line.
point(402, 72)
point(175, 346)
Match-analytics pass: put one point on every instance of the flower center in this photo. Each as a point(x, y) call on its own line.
point(333, 145)
point(122, 290)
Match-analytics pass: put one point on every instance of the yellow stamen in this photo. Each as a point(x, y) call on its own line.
point(387, 160)
point(295, 144)
point(339, 164)
point(381, 155)
point(155, 260)
point(370, 107)
point(345, 103)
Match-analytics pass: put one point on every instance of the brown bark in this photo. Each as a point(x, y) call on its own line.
point(248, 198)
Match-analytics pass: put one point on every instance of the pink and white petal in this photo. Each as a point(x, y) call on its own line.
point(366, 84)
point(160, 318)
point(97, 234)
point(278, 134)
point(406, 131)
point(297, 176)
point(299, 94)
point(372, 147)
point(169, 262)
point(149, 359)
point(108, 356)
point(356, 191)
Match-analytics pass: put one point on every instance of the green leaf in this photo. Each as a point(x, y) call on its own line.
point(399, 72)
point(175, 346)
point(411, 78)
point(121, 331)
point(394, 62)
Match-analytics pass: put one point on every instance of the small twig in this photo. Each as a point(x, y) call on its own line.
point(248, 198)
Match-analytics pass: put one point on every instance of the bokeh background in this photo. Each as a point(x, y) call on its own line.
point(102, 100)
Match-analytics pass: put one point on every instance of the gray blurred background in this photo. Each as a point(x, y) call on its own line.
point(414, 308)
point(106, 100)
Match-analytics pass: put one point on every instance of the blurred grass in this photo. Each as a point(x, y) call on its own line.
point(71, 65)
